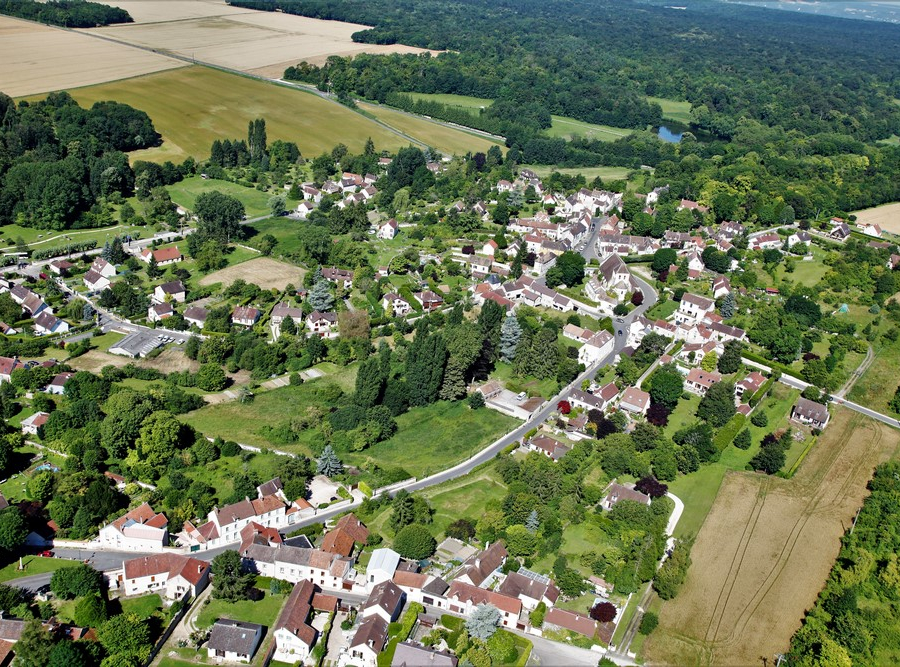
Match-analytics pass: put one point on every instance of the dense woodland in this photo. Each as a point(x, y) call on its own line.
point(67, 13)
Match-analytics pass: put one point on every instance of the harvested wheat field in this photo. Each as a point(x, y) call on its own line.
point(171, 360)
point(250, 41)
point(887, 217)
point(765, 551)
point(263, 271)
point(40, 59)
point(193, 106)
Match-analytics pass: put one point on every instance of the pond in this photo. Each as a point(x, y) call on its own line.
point(670, 135)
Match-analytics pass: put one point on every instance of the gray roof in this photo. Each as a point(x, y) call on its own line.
point(235, 636)
point(413, 655)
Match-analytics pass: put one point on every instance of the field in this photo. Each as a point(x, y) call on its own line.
point(445, 139)
point(886, 216)
point(672, 110)
point(41, 59)
point(262, 271)
point(262, 43)
point(569, 128)
point(877, 385)
point(255, 203)
point(283, 229)
point(590, 173)
point(169, 361)
point(768, 544)
point(193, 106)
point(460, 101)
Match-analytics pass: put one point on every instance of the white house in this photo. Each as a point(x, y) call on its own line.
point(321, 324)
point(396, 305)
point(463, 599)
point(171, 575)
point(304, 208)
point(597, 348)
point(294, 564)
point(170, 291)
point(388, 230)
point(233, 641)
point(196, 315)
point(30, 425)
point(163, 256)
point(386, 600)
point(530, 588)
point(369, 640)
point(294, 636)
point(693, 308)
point(382, 566)
point(47, 323)
point(95, 281)
point(104, 268)
point(635, 401)
point(160, 311)
point(58, 384)
point(140, 529)
point(245, 316)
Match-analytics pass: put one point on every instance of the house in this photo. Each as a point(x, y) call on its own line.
point(283, 311)
point(294, 636)
point(416, 655)
point(61, 267)
point(47, 323)
point(160, 311)
point(530, 588)
point(7, 366)
point(172, 575)
point(617, 492)
point(870, 229)
point(369, 640)
point(840, 229)
point(58, 384)
point(34, 306)
point(596, 349)
point(481, 569)
point(635, 401)
point(699, 381)
point(599, 400)
point(386, 600)
point(196, 315)
point(612, 277)
point(321, 323)
point(140, 529)
point(304, 208)
point(799, 237)
point(429, 300)
point(769, 241)
point(170, 291)
point(720, 287)
point(7, 330)
point(382, 566)
point(246, 316)
point(396, 305)
point(293, 564)
point(693, 308)
point(692, 206)
point(341, 277)
point(388, 230)
point(809, 412)
point(750, 384)
point(489, 248)
point(568, 620)
point(694, 263)
point(163, 256)
point(233, 641)
point(31, 425)
point(94, 281)
point(352, 526)
point(463, 599)
point(550, 447)
point(544, 262)
point(254, 533)
point(104, 268)
point(311, 193)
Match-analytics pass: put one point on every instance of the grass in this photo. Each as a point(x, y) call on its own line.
point(193, 106)
point(569, 128)
point(34, 565)
point(264, 611)
point(42, 239)
point(590, 173)
point(144, 606)
point(876, 387)
point(683, 414)
point(255, 203)
point(673, 110)
point(546, 388)
point(460, 101)
point(467, 496)
point(662, 310)
point(435, 135)
point(285, 231)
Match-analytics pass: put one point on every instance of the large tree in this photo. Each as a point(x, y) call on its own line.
point(219, 217)
point(666, 385)
point(483, 622)
point(510, 334)
point(229, 581)
point(320, 296)
point(415, 542)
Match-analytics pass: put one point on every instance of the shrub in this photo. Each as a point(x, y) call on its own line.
point(648, 623)
point(759, 419)
point(743, 440)
point(415, 542)
point(603, 612)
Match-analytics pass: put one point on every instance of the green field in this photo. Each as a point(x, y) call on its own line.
point(429, 133)
point(255, 203)
point(192, 106)
point(43, 239)
point(672, 110)
point(460, 101)
point(590, 173)
point(34, 565)
point(569, 128)
point(283, 229)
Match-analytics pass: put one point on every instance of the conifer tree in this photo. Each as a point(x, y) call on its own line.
point(510, 333)
point(329, 464)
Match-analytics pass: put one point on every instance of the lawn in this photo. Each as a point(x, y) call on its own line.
point(34, 565)
point(673, 110)
point(569, 128)
point(876, 387)
point(255, 203)
point(42, 239)
point(264, 611)
point(429, 133)
point(546, 388)
point(460, 101)
point(683, 414)
point(193, 106)
point(467, 497)
point(285, 231)
point(590, 173)
point(144, 606)
point(663, 310)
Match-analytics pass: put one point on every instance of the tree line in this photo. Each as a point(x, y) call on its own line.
point(66, 13)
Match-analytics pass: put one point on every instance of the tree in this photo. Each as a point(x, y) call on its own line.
point(564, 407)
point(461, 529)
point(476, 400)
point(219, 216)
point(510, 334)
point(760, 419)
point(329, 464)
point(666, 386)
point(709, 362)
point(663, 259)
point(34, 645)
point(483, 622)
point(649, 621)
point(670, 576)
point(320, 297)
point(210, 256)
point(159, 439)
point(652, 487)
point(71, 654)
point(728, 307)
point(369, 382)
point(520, 541)
point(229, 582)
point(571, 267)
point(90, 610)
point(414, 542)
point(730, 361)
point(637, 298)
point(13, 529)
point(126, 635)
point(717, 406)
point(211, 377)
point(276, 205)
point(603, 612)
point(743, 439)
point(75, 582)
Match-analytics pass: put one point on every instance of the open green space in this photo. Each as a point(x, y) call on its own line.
point(663, 310)
point(285, 231)
point(876, 386)
point(43, 239)
point(144, 606)
point(192, 106)
point(263, 611)
point(590, 173)
point(34, 565)
point(450, 100)
point(256, 203)
point(673, 110)
point(533, 386)
point(569, 128)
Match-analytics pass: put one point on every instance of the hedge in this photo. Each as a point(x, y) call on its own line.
point(406, 292)
point(790, 473)
point(64, 250)
point(365, 489)
point(761, 393)
point(727, 433)
point(750, 356)
point(399, 632)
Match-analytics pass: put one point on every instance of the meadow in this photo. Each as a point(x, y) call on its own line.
point(193, 106)
point(256, 202)
point(265, 272)
point(673, 110)
point(768, 544)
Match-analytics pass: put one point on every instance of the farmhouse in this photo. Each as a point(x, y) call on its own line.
point(809, 412)
point(163, 256)
point(617, 492)
point(173, 575)
point(141, 529)
point(233, 641)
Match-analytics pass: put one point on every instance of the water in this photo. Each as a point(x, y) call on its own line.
point(46, 466)
point(669, 135)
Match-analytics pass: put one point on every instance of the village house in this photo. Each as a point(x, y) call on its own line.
point(294, 636)
point(140, 529)
point(617, 492)
point(347, 532)
point(170, 291)
point(416, 655)
point(294, 564)
point(799, 237)
point(196, 315)
point(463, 598)
point(612, 277)
point(304, 208)
point(750, 384)
point(568, 620)
point(869, 228)
point(311, 193)
point(46, 323)
point(386, 600)
point(104, 268)
point(429, 300)
point(321, 324)
point(692, 206)
point(481, 569)
point(61, 267)
point(163, 256)
point(635, 401)
point(597, 348)
point(382, 565)
point(721, 286)
point(530, 588)
point(7, 366)
point(699, 381)
point(840, 230)
point(693, 308)
point(549, 447)
point(341, 277)
point(369, 640)
point(233, 641)
point(395, 305)
point(810, 413)
point(599, 400)
point(770, 241)
point(58, 383)
point(160, 311)
point(94, 281)
point(423, 588)
point(245, 316)
point(31, 425)
point(171, 575)
point(388, 230)
point(283, 311)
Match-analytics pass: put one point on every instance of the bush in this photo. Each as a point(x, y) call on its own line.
point(476, 400)
point(230, 448)
point(743, 440)
point(759, 419)
point(648, 623)
point(415, 542)
point(727, 433)
point(78, 581)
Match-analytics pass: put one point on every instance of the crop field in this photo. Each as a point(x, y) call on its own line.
point(259, 42)
point(766, 548)
point(590, 173)
point(886, 216)
point(40, 59)
point(193, 106)
point(445, 139)
point(262, 271)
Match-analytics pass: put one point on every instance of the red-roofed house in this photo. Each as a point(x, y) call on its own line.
point(162, 256)
point(170, 574)
point(294, 636)
point(463, 598)
point(567, 620)
point(699, 381)
point(31, 424)
point(140, 529)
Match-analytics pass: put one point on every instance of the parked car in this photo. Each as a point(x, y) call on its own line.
point(46, 554)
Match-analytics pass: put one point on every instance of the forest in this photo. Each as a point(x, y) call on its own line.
point(67, 13)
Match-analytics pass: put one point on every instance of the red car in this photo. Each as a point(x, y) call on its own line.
point(46, 554)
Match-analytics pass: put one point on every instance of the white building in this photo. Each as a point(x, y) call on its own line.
point(597, 348)
point(693, 308)
point(233, 641)
point(141, 529)
point(381, 566)
point(171, 575)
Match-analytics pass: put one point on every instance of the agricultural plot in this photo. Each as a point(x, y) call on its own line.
point(40, 59)
point(256, 202)
point(569, 128)
point(193, 106)
point(887, 217)
point(590, 173)
point(766, 549)
point(262, 271)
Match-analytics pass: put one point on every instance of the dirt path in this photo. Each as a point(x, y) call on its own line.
point(858, 373)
